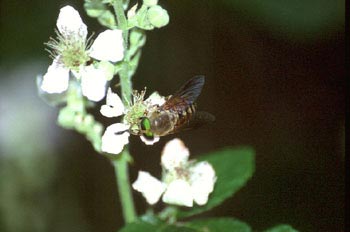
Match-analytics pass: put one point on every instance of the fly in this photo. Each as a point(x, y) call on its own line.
point(178, 113)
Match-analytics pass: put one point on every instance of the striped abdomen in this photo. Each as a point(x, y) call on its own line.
point(170, 121)
point(184, 117)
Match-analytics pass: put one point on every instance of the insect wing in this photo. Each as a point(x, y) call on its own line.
point(185, 96)
point(199, 119)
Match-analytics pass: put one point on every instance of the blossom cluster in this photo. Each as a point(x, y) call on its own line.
point(117, 135)
point(183, 181)
point(73, 55)
point(82, 68)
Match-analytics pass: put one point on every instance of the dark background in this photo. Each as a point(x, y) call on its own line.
point(274, 80)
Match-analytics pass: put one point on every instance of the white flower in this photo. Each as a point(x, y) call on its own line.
point(71, 54)
point(114, 107)
point(108, 46)
point(115, 138)
point(72, 36)
point(185, 181)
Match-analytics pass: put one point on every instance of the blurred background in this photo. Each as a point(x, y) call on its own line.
point(274, 80)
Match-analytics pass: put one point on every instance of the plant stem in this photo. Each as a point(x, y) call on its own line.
point(122, 175)
point(125, 80)
point(121, 163)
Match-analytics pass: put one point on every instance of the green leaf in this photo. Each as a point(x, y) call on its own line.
point(203, 225)
point(281, 228)
point(139, 226)
point(176, 228)
point(219, 224)
point(147, 227)
point(233, 168)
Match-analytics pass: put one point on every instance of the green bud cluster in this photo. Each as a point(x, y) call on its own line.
point(149, 16)
point(98, 9)
point(74, 116)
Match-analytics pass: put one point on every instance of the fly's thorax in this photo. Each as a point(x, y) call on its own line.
point(163, 122)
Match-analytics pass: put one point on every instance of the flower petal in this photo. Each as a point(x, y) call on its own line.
point(115, 138)
point(56, 78)
point(202, 180)
point(69, 23)
point(174, 154)
point(155, 99)
point(150, 187)
point(114, 106)
point(178, 192)
point(93, 83)
point(108, 46)
point(149, 142)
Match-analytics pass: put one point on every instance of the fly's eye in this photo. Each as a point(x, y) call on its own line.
point(145, 124)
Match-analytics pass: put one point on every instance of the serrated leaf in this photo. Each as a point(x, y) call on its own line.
point(281, 228)
point(233, 167)
point(218, 225)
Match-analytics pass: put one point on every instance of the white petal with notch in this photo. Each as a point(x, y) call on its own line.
point(115, 138)
point(70, 24)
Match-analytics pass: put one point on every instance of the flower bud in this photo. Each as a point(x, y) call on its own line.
point(150, 2)
point(94, 8)
point(107, 19)
point(66, 117)
point(157, 16)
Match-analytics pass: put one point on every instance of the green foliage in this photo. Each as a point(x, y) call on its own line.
point(218, 225)
point(203, 225)
point(147, 227)
point(139, 226)
point(233, 168)
point(281, 228)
